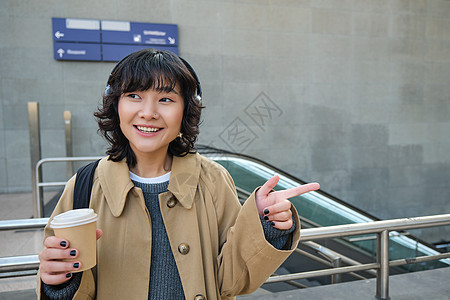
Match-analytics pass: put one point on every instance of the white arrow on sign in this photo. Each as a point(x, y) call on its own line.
point(59, 34)
point(60, 52)
point(171, 40)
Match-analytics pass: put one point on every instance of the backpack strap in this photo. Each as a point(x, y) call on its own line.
point(83, 185)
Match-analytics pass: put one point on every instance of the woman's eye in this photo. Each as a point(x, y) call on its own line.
point(133, 96)
point(166, 100)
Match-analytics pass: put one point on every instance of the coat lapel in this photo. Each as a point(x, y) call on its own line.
point(184, 178)
point(116, 183)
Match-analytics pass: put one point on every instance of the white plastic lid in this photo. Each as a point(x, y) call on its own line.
point(74, 218)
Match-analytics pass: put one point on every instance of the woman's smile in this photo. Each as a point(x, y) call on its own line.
point(147, 129)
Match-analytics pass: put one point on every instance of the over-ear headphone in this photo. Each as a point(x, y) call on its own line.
point(198, 96)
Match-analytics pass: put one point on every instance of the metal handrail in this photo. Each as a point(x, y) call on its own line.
point(19, 263)
point(381, 228)
point(23, 224)
point(39, 201)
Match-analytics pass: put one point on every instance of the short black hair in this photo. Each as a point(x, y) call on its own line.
point(139, 71)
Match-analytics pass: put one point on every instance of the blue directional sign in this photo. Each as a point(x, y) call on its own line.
point(77, 51)
point(84, 39)
point(116, 32)
point(117, 52)
point(76, 30)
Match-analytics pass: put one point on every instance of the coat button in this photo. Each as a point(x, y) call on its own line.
point(172, 202)
point(199, 297)
point(183, 248)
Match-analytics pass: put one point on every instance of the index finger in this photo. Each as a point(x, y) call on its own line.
point(296, 191)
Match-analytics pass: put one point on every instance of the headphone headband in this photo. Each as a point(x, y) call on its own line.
point(198, 97)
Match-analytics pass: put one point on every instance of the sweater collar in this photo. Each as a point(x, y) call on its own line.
point(116, 183)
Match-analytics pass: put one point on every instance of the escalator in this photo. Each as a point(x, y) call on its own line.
point(318, 209)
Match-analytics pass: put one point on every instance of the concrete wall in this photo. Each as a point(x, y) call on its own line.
point(354, 94)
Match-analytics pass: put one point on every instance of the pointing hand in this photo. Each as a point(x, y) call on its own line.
point(275, 206)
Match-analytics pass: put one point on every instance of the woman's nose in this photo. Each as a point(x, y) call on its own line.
point(149, 112)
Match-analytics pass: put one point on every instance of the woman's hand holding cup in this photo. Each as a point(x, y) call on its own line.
point(54, 267)
point(72, 248)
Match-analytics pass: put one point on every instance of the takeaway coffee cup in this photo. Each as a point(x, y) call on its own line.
point(78, 227)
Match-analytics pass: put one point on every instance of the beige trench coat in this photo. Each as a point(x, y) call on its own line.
point(219, 247)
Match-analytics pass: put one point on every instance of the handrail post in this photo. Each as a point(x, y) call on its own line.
point(35, 155)
point(383, 260)
point(336, 278)
point(68, 134)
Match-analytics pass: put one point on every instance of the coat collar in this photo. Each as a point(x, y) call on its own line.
point(116, 183)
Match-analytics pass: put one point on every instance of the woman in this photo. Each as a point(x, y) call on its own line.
point(172, 224)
